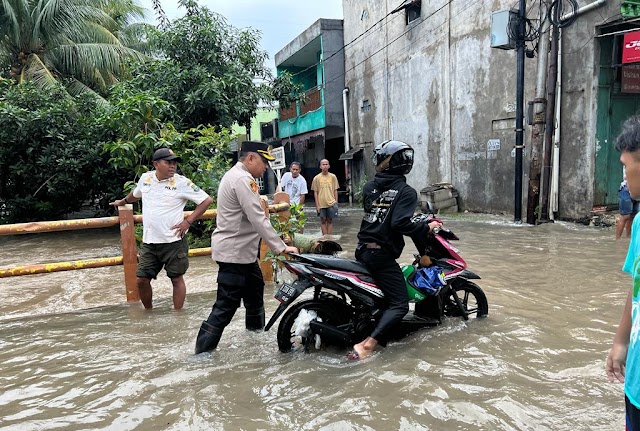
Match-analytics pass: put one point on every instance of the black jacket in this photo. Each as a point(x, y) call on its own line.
point(389, 204)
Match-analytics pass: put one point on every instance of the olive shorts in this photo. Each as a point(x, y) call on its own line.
point(173, 256)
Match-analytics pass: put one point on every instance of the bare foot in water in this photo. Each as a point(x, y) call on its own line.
point(363, 349)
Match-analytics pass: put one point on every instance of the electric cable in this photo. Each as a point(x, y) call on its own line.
point(353, 41)
point(398, 52)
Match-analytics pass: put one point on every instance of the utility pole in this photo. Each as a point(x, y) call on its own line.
point(522, 13)
point(551, 120)
point(538, 124)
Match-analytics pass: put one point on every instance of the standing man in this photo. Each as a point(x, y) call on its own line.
point(623, 361)
point(164, 242)
point(240, 224)
point(628, 208)
point(325, 192)
point(389, 204)
point(294, 184)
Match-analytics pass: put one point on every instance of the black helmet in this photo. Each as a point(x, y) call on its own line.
point(394, 157)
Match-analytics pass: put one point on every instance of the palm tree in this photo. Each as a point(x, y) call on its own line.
point(70, 41)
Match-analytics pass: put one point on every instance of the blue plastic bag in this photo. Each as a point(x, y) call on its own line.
point(429, 280)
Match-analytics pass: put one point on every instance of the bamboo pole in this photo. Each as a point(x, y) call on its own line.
point(60, 266)
point(46, 268)
point(126, 219)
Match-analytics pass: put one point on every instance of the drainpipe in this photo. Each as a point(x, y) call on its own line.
point(555, 183)
point(347, 146)
point(583, 9)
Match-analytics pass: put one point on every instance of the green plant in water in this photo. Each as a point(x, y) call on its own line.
point(287, 229)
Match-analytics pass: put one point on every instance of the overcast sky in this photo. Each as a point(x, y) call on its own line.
point(280, 21)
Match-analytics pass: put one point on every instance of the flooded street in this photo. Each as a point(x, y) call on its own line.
point(75, 356)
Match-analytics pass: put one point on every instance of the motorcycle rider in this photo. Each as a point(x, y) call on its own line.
point(389, 204)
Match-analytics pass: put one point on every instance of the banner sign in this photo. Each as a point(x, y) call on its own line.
point(630, 82)
point(631, 47)
point(279, 162)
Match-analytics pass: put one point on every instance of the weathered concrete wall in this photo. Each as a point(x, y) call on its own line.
point(580, 67)
point(332, 43)
point(438, 85)
point(331, 33)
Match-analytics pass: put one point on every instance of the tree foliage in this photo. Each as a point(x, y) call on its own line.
point(61, 147)
point(51, 160)
point(139, 123)
point(210, 71)
point(82, 43)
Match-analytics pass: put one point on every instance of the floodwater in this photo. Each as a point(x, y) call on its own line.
point(75, 356)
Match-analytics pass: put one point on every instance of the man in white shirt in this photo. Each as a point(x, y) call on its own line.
point(294, 184)
point(164, 195)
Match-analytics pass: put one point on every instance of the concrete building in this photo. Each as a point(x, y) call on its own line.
point(425, 73)
point(314, 130)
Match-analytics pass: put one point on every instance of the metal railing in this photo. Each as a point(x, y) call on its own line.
point(129, 259)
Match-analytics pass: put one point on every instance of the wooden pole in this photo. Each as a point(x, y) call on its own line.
point(129, 252)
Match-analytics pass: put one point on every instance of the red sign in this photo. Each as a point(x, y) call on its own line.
point(631, 47)
point(630, 78)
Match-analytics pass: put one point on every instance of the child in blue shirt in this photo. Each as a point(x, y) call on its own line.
point(623, 361)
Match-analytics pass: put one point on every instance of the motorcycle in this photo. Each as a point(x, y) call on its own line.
point(347, 303)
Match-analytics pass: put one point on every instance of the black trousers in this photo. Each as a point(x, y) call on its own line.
point(388, 275)
point(632, 416)
point(236, 282)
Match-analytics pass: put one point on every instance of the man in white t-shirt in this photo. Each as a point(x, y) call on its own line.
point(164, 195)
point(294, 184)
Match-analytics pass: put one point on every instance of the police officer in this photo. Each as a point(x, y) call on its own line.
point(240, 224)
point(389, 204)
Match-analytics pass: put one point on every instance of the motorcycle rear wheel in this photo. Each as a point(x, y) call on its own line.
point(472, 297)
point(331, 312)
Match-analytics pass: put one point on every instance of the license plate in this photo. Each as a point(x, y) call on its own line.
point(285, 293)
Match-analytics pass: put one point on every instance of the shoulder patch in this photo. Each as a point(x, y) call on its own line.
point(253, 186)
point(193, 186)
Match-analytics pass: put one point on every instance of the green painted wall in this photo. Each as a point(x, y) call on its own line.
point(302, 123)
point(263, 115)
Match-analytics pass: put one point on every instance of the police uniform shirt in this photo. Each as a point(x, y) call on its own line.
point(163, 205)
point(241, 221)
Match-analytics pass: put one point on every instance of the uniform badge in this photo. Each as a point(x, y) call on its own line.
point(146, 184)
point(193, 186)
point(253, 186)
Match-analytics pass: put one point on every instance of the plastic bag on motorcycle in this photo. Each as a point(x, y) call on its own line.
point(429, 280)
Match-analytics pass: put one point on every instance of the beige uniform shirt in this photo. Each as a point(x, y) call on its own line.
point(241, 221)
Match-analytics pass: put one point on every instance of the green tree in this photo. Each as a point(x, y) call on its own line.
point(71, 41)
point(51, 157)
point(140, 123)
point(210, 71)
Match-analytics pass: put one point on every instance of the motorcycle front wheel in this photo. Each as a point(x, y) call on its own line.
point(471, 298)
point(331, 312)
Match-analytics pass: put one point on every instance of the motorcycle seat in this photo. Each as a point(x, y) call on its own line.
point(332, 262)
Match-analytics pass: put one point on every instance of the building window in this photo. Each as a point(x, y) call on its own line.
point(366, 106)
point(412, 11)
